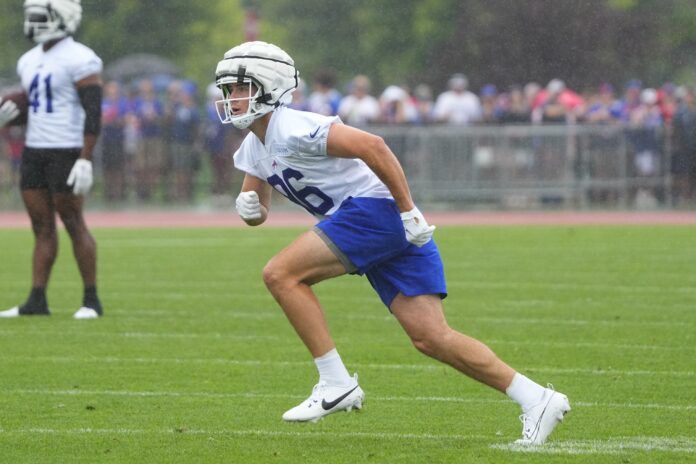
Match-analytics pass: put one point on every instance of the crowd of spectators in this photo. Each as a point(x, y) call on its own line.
point(155, 140)
point(652, 117)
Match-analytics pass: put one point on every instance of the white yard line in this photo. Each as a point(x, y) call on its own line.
point(259, 362)
point(610, 446)
point(206, 335)
point(579, 344)
point(632, 289)
point(451, 314)
point(413, 399)
point(250, 432)
point(232, 336)
point(465, 284)
point(572, 447)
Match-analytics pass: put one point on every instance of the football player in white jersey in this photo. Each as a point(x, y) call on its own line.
point(368, 224)
point(62, 80)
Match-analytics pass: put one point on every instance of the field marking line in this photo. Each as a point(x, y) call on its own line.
point(251, 337)
point(250, 432)
point(450, 314)
point(511, 285)
point(572, 447)
point(619, 346)
point(258, 362)
point(415, 399)
point(138, 313)
point(207, 335)
point(621, 445)
point(571, 286)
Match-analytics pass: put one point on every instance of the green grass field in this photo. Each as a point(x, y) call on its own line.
point(194, 362)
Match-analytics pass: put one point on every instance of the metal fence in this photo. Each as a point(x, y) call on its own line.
point(534, 166)
point(495, 167)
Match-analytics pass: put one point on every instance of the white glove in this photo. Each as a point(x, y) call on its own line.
point(417, 229)
point(81, 176)
point(248, 205)
point(8, 111)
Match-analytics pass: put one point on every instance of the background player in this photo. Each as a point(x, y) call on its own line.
point(369, 225)
point(62, 81)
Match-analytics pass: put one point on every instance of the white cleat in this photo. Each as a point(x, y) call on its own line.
point(12, 312)
point(327, 399)
point(15, 312)
point(86, 313)
point(539, 421)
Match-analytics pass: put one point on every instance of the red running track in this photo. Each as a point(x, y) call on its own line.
point(155, 219)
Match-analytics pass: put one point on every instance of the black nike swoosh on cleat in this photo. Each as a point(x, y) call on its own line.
point(332, 404)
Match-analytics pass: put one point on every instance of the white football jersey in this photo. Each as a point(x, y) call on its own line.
point(294, 161)
point(56, 117)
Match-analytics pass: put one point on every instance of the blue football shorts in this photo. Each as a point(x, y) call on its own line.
point(367, 236)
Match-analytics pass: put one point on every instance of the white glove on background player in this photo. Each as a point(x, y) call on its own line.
point(248, 205)
point(417, 229)
point(8, 111)
point(81, 176)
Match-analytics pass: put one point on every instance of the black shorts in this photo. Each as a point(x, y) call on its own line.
point(47, 168)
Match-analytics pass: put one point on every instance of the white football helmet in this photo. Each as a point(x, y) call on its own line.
point(271, 71)
point(46, 20)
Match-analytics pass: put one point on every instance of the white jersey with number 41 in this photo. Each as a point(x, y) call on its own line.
point(56, 118)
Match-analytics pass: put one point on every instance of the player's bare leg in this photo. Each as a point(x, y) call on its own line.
point(423, 320)
point(43, 224)
point(69, 208)
point(289, 276)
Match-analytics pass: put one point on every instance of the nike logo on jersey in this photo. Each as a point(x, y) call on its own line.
point(332, 404)
point(314, 134)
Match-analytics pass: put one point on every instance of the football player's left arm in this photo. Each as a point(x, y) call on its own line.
point(89, 90)
point(348, 142)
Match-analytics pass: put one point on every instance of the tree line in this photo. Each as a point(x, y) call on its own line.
point(583, 42)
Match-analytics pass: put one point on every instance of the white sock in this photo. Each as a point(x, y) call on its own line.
point(524, 391)
point(331, 369)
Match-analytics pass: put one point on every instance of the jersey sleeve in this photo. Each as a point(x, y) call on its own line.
point(22, 62)
point(243, 159)
point(86, 64)
point(309, 139)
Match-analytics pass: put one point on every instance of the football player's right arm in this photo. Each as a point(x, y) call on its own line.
point(253, 202)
